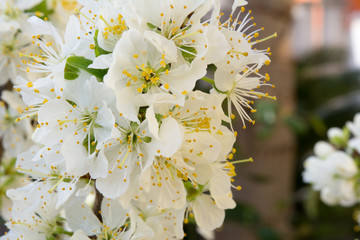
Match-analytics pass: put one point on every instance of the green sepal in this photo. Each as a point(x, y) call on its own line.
point(98, 50)
point(43, 8)
point(193, 192)
point(159, 118)
point(134, 126)
point(86, 144)
point(152, 26)
point(146, 139)
point(188, 56)
point(76, 63)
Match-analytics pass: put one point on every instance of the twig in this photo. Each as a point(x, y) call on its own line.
point(97, 205)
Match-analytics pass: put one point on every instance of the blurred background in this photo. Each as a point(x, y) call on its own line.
point(316, 69)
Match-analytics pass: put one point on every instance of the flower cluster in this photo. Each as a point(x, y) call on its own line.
point(113, 138)
point(15, 40)
point(334, 170)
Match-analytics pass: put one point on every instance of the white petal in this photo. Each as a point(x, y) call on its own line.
point(41, 27)
point(162, 44)
point(102, 62)
point(113, 214)
point(224, 80)
point(71, 35)
point(99, 166)
point(126, 103)
point(323, 149)
point(79, 235)
point(105, 121)
point(152, 121)
point(184, 77)
point(65, 190)
point(117, 182)
point(238, 3)
point(220, 189)
point(78, 162)
point(207, 215)
point(217, 47)
point(80, 216)
point(27, 4)
point(170, 137)
point(50, 113)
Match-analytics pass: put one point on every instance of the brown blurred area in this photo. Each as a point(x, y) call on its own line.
point(273, 158)
point(303, 27)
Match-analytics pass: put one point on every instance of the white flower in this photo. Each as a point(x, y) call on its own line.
point(37, 93)
point(335, 132)
point(334, 176)
point(10, 45)
point(164, 223)
point(139, 68)
point(240, 90)
point(43, 223)
point(53, 55)
point(323, 149)
point(132, 150)
point(205, 142)
point(16, 135)
point(340, 192)
point(237, 74)
point(48, 172)
point(177, 23)
point(161, 185)
point(117, 223)
point(79, 121)
point(62, 10)
point(241, 40)
point(316, 172)
point(12, 14)
point(354, 126)
point(9, 179)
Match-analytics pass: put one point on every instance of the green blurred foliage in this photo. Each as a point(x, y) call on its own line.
point(247, 217)
point(326, 97)
point(41, 10)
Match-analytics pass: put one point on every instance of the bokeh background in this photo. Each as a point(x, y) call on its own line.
point(316, 70)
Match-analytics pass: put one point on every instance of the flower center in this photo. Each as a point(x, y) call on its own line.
point(148, 75)
point(69, 5)
point(114, 28)
point(10, 12)
point(7, 49)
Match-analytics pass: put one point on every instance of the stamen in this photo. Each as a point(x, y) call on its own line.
point(243, 161)
point(264, 39)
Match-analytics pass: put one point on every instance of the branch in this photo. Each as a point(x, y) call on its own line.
point(97, 204)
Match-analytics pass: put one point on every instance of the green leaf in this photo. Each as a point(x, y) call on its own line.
point(75, 63)
point(244, 214)
point(146, 139)
point(267, 233)
point(189, 53)
point(134, 126)
point(296, 123)
point(98, 50)
point(192, 192)
point(152, 26)
point(92, 146)
point(41, 8)
point(71, 72)
point(159, 118)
